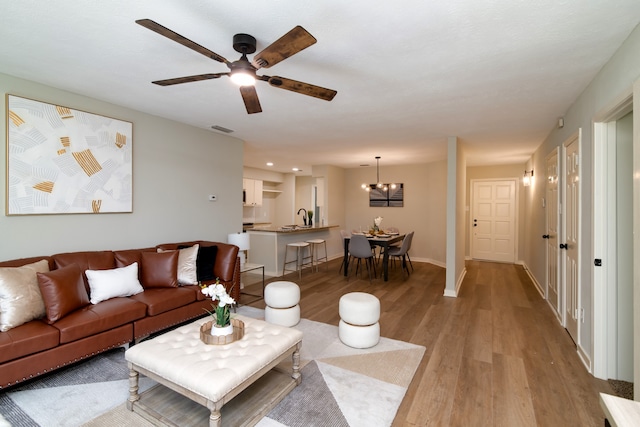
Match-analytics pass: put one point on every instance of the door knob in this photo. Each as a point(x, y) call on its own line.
point(545, 236)
point(564, 246)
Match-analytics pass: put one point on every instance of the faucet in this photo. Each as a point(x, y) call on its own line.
point(304, 217)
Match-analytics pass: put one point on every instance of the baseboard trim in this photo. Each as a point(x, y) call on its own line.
point(584, 357)
point(533, 279)
point(454, 293)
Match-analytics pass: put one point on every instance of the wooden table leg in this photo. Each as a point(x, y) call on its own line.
point(296, 375)
point(385, 264)
point(133, 388)
point(345, 260)
point(215, 419)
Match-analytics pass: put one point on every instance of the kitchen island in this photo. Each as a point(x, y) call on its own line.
point(268, 244)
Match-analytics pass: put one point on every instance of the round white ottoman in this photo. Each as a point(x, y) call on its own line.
point(282, 300)
point(359, 316)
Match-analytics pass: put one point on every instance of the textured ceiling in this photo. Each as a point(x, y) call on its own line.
point(496, 74)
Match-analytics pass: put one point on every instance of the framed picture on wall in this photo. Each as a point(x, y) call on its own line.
point(393, 196)
point(66, 161)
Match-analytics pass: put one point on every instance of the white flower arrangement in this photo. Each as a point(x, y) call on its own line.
point(222, 311)
point(376, 223)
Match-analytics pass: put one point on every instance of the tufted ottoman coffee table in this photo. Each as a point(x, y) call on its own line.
point(197, 380)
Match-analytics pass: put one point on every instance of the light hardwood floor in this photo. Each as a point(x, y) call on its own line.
point(495, 355)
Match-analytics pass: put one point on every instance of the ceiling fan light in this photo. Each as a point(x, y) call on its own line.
point(243, 78)
point(379, 185)
point(393, 186)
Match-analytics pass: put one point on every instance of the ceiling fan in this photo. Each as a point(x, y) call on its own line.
point(242, 71)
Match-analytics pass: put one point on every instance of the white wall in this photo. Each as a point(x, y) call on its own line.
point(175, 167)
point(615, 78)
point(424, 211)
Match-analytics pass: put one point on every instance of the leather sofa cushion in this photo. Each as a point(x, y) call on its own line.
point(225, 258)
point(160, 300)
point(89, 260)
point(129, 256)
point(198, 291)
point(63, 291)
point(30, 338)
point(159, 269)
point(93, 319)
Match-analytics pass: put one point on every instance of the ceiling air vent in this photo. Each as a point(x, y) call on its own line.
point(221, 129)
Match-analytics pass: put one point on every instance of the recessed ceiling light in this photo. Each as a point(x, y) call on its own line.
point(269, 163)
point(296, 170)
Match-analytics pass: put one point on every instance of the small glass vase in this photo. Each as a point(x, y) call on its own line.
point(218, 331)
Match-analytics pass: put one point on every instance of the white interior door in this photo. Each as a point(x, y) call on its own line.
point(571, 234)
point(493, 220)
point(552, 235)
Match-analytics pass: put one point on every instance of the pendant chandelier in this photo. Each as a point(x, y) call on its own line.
point(378, 184)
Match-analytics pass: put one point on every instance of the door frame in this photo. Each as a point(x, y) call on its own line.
point(604, 247)
point(516, 213)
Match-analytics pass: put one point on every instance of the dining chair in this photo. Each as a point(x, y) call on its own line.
point(401, 252)
point(376, 256)
point(360, 248)
point(392, 245)
point(408, 249)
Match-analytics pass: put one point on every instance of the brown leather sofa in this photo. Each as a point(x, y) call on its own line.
point(38, 346)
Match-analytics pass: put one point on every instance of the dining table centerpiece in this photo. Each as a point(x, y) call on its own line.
point(377, 221)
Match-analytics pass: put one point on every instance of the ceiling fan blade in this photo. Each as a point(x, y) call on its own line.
point(189, 79)
point(288, 45)
point(250, 98)
point(164, 31)
point(303, 88)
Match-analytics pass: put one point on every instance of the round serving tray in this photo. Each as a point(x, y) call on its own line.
point(207, 338)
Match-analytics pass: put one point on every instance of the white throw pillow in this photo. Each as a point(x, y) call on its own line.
point(119, 282)
point(20, 297)
point(187, 272)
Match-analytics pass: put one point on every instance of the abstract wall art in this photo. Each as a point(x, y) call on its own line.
point(393, 196)
point(66, 161)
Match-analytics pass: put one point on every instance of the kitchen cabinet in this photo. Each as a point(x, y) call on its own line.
point(252, 190)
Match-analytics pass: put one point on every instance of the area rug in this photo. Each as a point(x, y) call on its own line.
point(341, 386)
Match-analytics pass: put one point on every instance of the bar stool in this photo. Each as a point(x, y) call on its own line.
point(300, 258)
point(315, 247)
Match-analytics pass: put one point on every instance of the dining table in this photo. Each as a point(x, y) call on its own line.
point(384, 242)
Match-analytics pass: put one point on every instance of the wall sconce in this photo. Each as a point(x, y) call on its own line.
point(528, 177)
